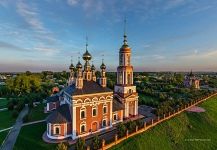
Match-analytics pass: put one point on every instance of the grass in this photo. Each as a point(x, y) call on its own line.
point(3, 103)
point(37, 113)
point(196, 131)
point(30, 138)
point(3, 136)
point(6, 119)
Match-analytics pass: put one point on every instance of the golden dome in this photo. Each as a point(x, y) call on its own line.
point(71, 67)
point(93, 67)
point(87, 56)
point(103, 66)
point(79, 65)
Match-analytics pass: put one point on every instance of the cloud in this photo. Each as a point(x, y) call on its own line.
point(72, 2)
point(11, 47)
point(30, 15)
point(42, 35)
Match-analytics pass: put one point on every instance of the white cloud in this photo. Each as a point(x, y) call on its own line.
point(41, 34)
point(30, 15)
point(72, 2)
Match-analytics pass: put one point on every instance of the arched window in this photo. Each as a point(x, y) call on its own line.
point(128, 59)
point(130, 91)
point(83, 128)
point(57, 131)
point(94, 112)
point(115, 117)
point(83, 113)
point(104, 109)
point(104, 123)
point(129, 79)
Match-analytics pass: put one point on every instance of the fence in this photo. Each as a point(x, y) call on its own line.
point(148, 125)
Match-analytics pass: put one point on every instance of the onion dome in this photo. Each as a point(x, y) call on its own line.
point(79, 65)
point(71, 67)
point(93, 67)
point(125, 47)
point(103, 66)
point(87, 56)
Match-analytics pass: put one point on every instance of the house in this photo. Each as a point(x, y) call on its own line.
point(87, 106)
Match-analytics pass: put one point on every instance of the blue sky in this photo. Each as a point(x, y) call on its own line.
point(165, 35)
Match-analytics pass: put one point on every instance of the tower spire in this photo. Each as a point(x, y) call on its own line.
point(71, 60)
point(86, 42)
point(125, 36)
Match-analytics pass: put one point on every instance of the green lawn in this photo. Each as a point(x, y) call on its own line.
point(6, 119)
point(3, 136)
point(3, 103)
point(30, 138)
point(37, 113)
point(196, 131)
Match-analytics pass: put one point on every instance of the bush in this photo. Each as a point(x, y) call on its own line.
point(15, 113)
point(131, 126)
point(121, 129)
point(96, 143)
point(15, 102)
point(80, 144)
point(30, 104)
point(20, 106)
point(62, 146)
point(10, 106)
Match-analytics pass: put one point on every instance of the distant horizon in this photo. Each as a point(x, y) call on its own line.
point(177, 35)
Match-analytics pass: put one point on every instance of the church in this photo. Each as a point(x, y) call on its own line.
point(87, 106)
point(191, 81)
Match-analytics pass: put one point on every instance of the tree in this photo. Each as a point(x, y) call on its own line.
point(96, 143)
point(131, 125)
point(62, 146)
point(121, 129)
point(80, 144)
point(23, 84)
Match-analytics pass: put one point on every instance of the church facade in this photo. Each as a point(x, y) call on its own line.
point(87, 106)
point(191, 81)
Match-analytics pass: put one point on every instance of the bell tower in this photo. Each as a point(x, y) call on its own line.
point(124, 90)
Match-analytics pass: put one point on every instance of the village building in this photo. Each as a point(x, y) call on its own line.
point(87, 106)
point(191, 81)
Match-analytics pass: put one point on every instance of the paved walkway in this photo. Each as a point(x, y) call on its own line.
point(5, 129)
point(3, 109)
point(14, 132)
point(34, 122)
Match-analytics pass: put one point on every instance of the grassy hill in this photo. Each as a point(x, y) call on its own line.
point(195, 131)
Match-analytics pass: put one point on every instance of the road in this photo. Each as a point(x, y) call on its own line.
point(14, 132)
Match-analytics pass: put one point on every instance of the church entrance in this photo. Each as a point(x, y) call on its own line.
point(94, 126)
point(131, 108)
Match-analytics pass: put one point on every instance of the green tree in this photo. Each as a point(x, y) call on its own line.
point(62, 146)
point(96, 142)
point(80, 144)
point(121, 129)
point(23, 84)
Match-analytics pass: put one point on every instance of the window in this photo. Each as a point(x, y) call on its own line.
point(104, 123)
point(104, 109)
point(130, 91)
point(128, 59)
point(94, 112)
point(115, 117)
point(83, 128)
point(83, 114)
point(57, 131)
point(129, 79)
